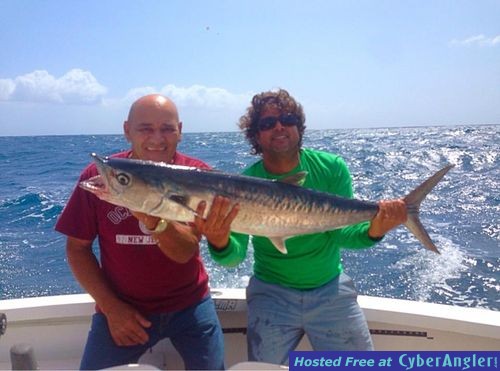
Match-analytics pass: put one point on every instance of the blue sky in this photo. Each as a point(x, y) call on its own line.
point(74, 67)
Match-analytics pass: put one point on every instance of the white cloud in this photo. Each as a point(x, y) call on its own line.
point(6, 88)
point(79, 87)
point(479, 40)
point(136, 93)
point(206, 97)
point(76, 87)
point(193, 97)
point(201, 108)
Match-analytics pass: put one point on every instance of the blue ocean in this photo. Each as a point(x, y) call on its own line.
point(462, 214)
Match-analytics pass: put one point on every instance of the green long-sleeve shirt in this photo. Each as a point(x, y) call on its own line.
point(312, 259)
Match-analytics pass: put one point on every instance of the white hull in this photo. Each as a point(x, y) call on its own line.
point(57, 327)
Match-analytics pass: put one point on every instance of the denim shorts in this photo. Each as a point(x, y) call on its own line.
point(195, 332)
point(278, 318)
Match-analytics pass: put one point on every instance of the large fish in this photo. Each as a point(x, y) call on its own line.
point(274, 209)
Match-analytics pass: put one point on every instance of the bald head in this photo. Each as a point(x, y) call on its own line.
point(153, 128)
point(153, 102)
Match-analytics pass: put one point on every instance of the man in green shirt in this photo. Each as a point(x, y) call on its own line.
point(304, 291)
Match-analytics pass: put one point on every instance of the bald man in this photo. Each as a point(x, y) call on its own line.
point(150, 282)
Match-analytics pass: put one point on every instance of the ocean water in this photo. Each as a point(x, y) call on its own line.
point(462, 214)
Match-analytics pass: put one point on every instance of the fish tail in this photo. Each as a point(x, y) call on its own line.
point(413, 201)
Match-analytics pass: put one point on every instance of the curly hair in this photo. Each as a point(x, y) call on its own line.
point(280, 99)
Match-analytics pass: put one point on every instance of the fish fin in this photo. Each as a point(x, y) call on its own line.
point(183, 201)
point(279, 243)
point(296, 179)
point(413, 201)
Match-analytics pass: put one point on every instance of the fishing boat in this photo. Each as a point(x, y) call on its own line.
point(53, 330)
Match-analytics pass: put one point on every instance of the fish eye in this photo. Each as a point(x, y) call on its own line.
point(123, 179)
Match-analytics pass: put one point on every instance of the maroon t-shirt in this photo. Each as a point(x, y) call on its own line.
point(135, 267)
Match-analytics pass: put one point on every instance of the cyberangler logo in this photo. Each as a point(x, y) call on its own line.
point(456, 361)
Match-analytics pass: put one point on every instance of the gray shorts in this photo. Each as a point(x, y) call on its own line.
point(278, 318)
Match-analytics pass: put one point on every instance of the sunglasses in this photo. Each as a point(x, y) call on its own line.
point(286, 119)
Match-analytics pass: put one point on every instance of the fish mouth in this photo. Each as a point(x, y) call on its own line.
point(98, 184)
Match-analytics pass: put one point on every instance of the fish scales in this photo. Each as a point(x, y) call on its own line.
point(274, 209)
point(277, 209)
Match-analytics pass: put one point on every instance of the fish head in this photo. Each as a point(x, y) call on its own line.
point(120, 186)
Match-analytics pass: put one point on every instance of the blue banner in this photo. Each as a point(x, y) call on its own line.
point(400, 360)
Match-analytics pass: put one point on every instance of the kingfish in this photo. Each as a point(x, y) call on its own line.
point(274, 209)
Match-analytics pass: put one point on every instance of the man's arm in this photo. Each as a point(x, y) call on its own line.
point(179, 241)
point(391, 212)
point(126, 324)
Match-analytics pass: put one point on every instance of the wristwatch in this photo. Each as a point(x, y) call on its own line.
point(160, 226)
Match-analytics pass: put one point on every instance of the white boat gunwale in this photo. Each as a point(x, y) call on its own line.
point(57, 327)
